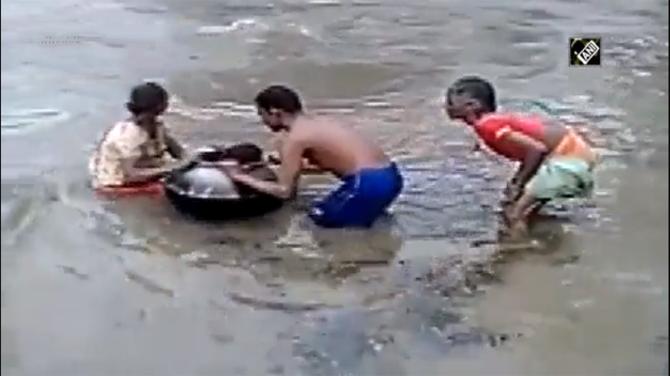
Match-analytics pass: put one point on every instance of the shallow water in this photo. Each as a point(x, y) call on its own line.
point(131, 287)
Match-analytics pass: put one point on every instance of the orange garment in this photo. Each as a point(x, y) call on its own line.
point(492, 127)
point(573, 145)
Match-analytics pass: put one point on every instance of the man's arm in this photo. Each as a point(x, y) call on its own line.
point(306, 168)
point(310, 168)
point(536, 152)
point(289, 171)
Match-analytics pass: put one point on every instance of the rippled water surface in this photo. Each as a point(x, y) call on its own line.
point(130, 287)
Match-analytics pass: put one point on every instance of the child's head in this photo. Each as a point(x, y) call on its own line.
point(469, 98)
point(147, 100)
point(244, 153)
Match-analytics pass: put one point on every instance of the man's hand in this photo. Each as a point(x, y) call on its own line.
point(231, 168)
point(273, 158)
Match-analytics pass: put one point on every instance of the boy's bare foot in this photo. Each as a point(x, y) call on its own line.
point(518, 230)
point(508, 214)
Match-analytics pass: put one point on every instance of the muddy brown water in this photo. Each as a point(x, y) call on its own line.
point(94, 287)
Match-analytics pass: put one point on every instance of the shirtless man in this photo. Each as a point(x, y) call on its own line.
point(370, 181)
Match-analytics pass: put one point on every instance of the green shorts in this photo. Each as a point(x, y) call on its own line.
point(562, 177)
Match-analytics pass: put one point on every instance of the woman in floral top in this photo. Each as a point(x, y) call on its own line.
point(139, 150)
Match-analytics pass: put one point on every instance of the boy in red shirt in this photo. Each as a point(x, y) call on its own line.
point(555, 161)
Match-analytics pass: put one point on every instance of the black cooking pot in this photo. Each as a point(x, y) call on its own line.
point(203, 191)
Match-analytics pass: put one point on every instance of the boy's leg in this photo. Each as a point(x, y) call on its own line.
point(560, 178)
point(517, 214)
point(535, 211)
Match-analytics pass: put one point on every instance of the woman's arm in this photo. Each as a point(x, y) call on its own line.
point(134, 174)
point(175, 149)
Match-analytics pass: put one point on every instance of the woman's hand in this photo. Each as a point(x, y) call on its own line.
point(183, 162)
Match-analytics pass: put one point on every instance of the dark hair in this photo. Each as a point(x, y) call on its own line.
point(244, 153)
point(146, 97)
point(279, 97)
point(476, 88)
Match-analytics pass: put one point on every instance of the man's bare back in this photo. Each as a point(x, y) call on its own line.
point(333, 146)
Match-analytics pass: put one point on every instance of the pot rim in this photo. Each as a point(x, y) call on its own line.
point(178, 191)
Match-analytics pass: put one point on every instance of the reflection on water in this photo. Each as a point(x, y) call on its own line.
point(131, 287)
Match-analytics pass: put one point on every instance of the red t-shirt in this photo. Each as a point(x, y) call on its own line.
point(491, 127)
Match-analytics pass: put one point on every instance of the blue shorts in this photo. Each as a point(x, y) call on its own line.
point(360, 200)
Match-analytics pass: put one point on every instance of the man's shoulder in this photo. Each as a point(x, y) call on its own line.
point(298, 134)
point(310, 120)
point(313, 126)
